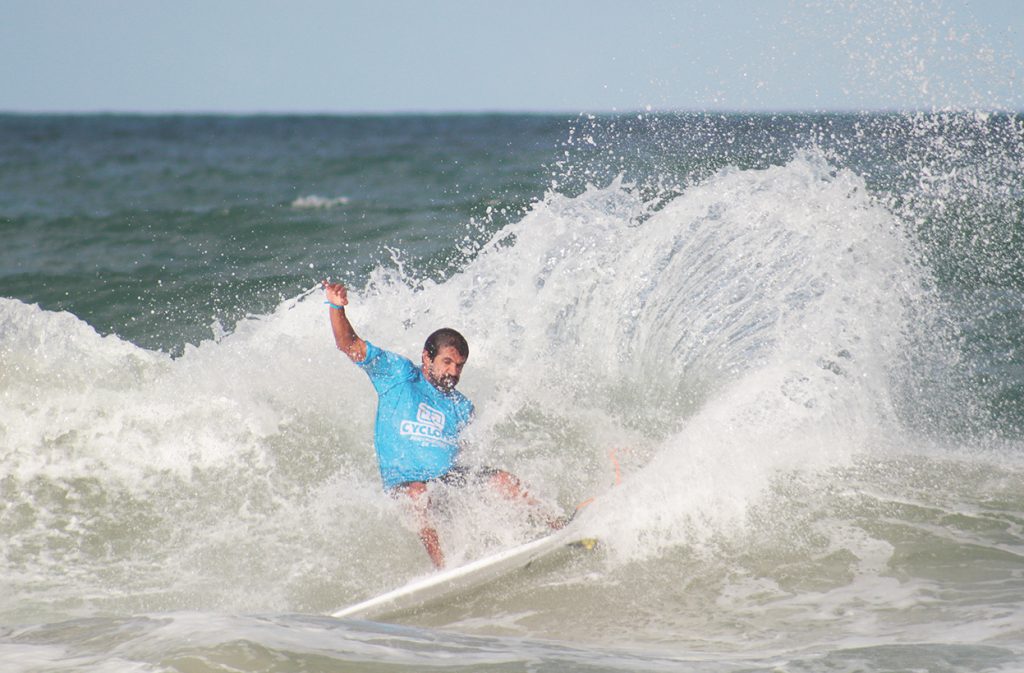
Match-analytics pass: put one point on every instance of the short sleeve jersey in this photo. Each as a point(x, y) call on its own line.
point(416, 434)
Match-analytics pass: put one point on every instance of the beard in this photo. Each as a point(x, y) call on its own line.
point(443, 383)
point(447, 383)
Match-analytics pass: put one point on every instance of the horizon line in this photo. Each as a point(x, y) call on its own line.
point(482, 112)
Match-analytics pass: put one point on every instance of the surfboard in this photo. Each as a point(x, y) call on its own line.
point(462, 578)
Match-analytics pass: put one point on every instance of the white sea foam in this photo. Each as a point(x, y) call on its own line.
point(743, 341)
point(743, 329)
point(314, 202)
point(748, 327)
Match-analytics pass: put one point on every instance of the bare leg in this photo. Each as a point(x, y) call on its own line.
point(509, 486)
point(416, 491)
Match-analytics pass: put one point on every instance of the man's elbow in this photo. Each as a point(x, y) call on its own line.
point(356, 352)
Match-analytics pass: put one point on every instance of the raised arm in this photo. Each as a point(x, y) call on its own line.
point(345, 337)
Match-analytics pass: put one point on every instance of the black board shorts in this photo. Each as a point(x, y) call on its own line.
point(460, 476)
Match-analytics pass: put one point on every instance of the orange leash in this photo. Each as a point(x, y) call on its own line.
point(613, 455)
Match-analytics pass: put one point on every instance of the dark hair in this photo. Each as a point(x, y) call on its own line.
point(446, 336)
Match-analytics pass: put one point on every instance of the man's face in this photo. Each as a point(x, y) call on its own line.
point(444, 371)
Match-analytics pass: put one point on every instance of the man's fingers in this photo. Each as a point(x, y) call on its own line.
point(333, 287)
point(336, 292)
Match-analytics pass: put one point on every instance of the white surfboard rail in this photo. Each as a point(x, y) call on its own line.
point(461, 578)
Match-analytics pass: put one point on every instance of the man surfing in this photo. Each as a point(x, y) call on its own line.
point(420, 417)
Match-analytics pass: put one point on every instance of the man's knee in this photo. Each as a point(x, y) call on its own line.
point(506, 482)
point(413, 489)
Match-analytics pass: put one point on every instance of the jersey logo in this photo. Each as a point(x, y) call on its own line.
point(428, 426)
point(430, 416)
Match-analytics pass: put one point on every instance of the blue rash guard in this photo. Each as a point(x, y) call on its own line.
point(417, 429)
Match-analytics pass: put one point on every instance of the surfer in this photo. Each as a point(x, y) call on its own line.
point(420, 417)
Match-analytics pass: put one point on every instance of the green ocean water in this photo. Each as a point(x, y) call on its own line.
point(802, 333)
point(180, 221)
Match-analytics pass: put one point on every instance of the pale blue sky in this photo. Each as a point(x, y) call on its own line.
point(526, 55)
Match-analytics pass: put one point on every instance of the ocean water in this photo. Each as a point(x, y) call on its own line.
point(797, 337)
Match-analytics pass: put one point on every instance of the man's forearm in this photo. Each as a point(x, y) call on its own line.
point(345, 337)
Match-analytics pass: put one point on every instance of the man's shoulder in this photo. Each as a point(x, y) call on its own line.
point(384, 362)
point(374, 352)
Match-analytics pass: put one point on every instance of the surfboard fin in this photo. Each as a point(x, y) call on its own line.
point(587, 543)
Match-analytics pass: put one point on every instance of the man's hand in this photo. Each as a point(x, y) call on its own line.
point(345, 337)
point(336, 293)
